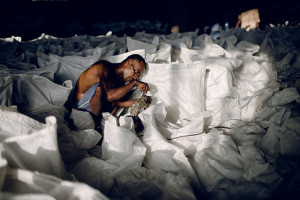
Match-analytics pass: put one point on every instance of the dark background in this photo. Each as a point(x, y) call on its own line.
point(65, 18)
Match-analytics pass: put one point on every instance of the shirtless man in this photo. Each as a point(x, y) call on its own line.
point(101, 87)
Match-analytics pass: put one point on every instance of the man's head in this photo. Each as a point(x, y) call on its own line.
point(133, 66)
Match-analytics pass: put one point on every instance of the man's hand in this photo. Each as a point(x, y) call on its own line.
point(144, 87)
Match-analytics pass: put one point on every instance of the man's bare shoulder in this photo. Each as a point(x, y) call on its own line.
point(102, 67)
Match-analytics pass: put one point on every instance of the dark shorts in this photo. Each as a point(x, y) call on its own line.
point(84, 102)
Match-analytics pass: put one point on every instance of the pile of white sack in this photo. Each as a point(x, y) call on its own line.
point(223, 124)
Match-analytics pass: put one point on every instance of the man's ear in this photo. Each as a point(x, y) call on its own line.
point(129, 61)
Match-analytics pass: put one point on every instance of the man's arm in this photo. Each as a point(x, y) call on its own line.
point(114, 94)
point(124, 104)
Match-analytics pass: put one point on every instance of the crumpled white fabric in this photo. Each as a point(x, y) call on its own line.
point(15, 124)
point(39, 91)
point(160, 153)
point(154, 183)
point(121, 146)
point(217, 157)
point(31, 145)
point(82, 120)
point(47, 72)
point(163, 54)
point(133, 44)
point(21, 181)
point(12, 196)
point(3, 168)
point(256, 168)
point(76, 64)
point(270, 143)
point(82, 139)
point(289, 137)
point(95, 172)
point(6, 87)
point(284, 96)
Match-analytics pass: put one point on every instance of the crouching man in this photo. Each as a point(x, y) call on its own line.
point(102, 87)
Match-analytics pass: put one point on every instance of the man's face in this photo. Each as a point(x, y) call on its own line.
point(133, 70)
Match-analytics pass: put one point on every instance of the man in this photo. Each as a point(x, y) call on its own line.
point(102, 87)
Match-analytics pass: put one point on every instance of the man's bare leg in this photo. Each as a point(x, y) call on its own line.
point(96, 101)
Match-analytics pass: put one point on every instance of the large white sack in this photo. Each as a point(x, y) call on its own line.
point(11, 196)
point(290, 137)
point(205, 44)
point(82, 119)
point(61, 113)
point(175, 43)
point(218, 82)
point(191, 55)
point(153, 184)
point(242, 190)
point(95, 172)
point(174, 184)
point(247, 48)
point(218, 90)
point(253, 76)
point(163, 54)
point(3, 168)
point(192, 34)
point(179, 86)
point(227, 37)
point(82, 139)
point(256, 168)
point(108, 50)
point(35, 91)
point(160, 153)
point(74, 64)
point(15, 124)
point(37, 148)
point(270, 143)
point(284, 96)
point(20, 181)
point(120, 57)
point(6, 87)
point(133, 44)
point(250, 106)
point(217, 158)
point(47, 72)
point(146, 37)
point(121, 146)
point(197, 54)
